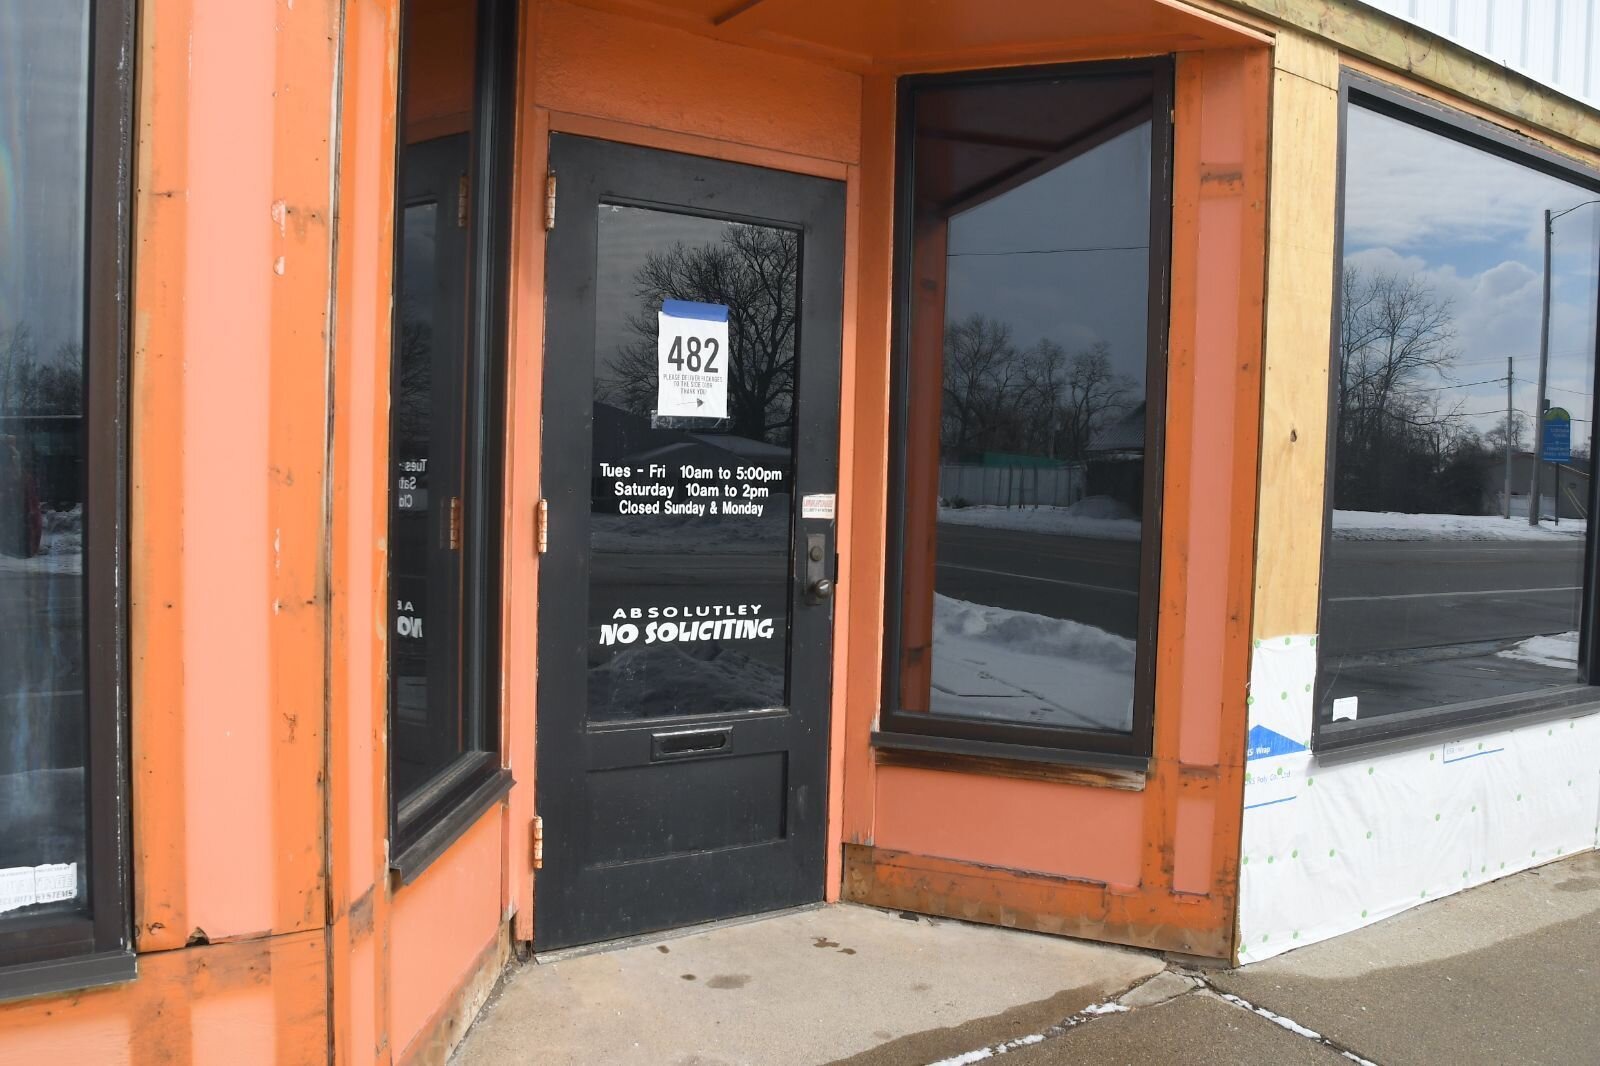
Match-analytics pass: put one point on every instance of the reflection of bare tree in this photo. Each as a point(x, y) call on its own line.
point(754, 272)
point(1041, 401)
point(31, 384)
point(1399, 445)
point(413, 380)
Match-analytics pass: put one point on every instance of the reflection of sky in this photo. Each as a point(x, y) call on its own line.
point(1085, 229)
point(1468, 224)
point(43, 124)
point(627, 236)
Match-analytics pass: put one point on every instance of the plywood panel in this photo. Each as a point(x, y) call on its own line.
point(1300, 275)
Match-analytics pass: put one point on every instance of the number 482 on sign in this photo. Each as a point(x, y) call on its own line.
point(692, 359)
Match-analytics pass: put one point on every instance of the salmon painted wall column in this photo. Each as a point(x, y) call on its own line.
point(358, 895)
point(232, 232)
point(1155, 864)
point(230, 390)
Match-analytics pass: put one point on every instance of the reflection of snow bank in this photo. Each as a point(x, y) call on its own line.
point(1559, 652)
point(60, 546)
point(1094, 518)
point(1392, 525)
point(688, 534)
point(63, 532)
point(994, 663)
point(659, 679)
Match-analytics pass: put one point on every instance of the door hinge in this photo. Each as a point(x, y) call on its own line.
point(455, 523)
point(550, 200)
point(541, 526)
point(538, 841)
point(463, 193)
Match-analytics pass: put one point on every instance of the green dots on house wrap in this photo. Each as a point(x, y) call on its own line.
point(1295, 854)
point(1330, 853)
point(1284, 695)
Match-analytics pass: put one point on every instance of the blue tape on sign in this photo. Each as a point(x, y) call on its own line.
point(690, 309)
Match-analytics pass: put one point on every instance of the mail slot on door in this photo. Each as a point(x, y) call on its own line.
point(690, 743)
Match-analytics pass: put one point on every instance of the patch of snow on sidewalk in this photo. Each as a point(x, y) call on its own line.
point(994, 663)
point(1393, 525)
point(1093, 518)
point(1559, 652)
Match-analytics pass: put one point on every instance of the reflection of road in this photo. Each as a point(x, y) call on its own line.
point(1095, 582)
point(1422, 594)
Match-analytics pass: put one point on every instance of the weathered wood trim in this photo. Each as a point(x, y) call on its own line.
point(1400, 46)
point(950, 888)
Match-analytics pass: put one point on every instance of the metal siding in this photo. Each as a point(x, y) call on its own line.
point(1551, 41)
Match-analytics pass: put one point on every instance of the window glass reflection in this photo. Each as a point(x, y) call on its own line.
point(1027, 422)
point(44, 82)
point(690, 515)
point(1438, 589)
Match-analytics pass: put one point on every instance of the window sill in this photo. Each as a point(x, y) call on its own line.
point(992, 759)
point(419, 854)
point(67, 975)
point(1337, 740)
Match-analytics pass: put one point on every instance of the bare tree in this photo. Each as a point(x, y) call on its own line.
point(754, 272)
point(1397, 433)
point(981, 373)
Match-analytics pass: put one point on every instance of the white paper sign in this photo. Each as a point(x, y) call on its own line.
point(24, 886)
point(692, 359)
point(1345, 708)
point(817, 505)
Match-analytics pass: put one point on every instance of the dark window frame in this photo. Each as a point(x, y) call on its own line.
point(426, 822)
point(898, 727)
point(1430, 723)
point(53, 953)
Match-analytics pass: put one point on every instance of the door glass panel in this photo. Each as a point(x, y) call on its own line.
point(690, 515)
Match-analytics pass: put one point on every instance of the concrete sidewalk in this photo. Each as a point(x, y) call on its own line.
point(1509, 972)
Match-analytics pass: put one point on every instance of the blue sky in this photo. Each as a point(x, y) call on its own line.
point(1468, 225)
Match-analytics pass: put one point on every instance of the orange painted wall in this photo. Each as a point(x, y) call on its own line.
point(1170, 850)
point(232, 246)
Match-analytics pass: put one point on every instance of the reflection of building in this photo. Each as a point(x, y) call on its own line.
point(1116, 460)
point(624, 439)
point(1566, 482)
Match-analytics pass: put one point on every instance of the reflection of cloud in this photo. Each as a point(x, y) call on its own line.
point(1419, 189)
point(1466, 225)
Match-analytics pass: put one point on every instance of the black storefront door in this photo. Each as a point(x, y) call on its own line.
point(685, 611)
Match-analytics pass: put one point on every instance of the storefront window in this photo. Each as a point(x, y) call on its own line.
point(1442, 597)
point(444, 460)
point(1029, 395)
point(62, 891)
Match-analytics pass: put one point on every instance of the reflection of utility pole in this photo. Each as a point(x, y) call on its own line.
point(1544, 368)
point(1508, 437)
point(1539, 401)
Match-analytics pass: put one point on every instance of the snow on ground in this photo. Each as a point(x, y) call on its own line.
point(1558, 652)
point(1392, 525)
point(989, 662)
point(1093, 518)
